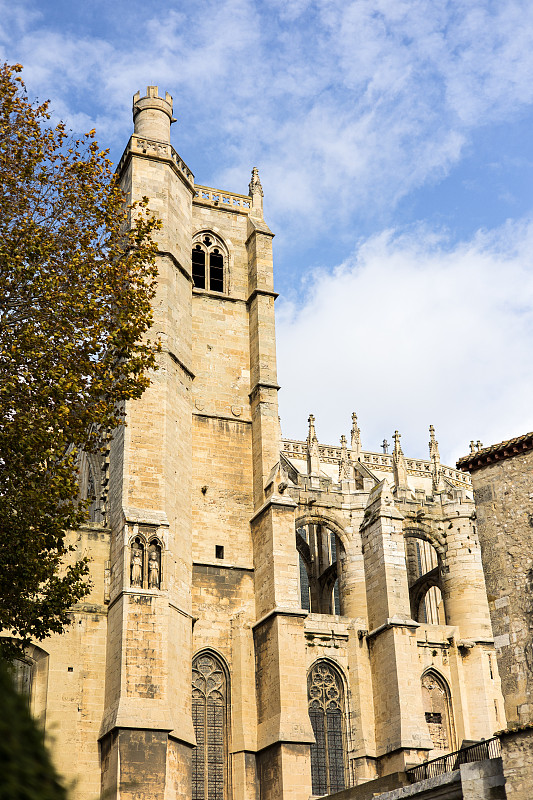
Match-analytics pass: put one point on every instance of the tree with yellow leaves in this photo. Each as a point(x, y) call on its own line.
point(77, 276)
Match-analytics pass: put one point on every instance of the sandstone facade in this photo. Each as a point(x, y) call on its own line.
point(502, 477)
point(268, 618)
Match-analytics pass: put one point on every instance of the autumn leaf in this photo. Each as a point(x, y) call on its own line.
point(77, 277)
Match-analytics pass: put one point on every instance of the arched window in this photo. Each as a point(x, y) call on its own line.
point(209, 262)
point(431, 607)
point(90, 483)
point(320, 551)
point(326, 711)
point(210, 720)
point(424, 582)
point(438, 710)
point(305, 597)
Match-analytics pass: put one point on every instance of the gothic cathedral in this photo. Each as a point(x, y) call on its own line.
point(269, 618)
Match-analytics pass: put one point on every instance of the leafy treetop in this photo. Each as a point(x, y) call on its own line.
point(77, 276)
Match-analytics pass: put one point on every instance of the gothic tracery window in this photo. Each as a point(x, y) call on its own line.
point(326, 712)
point(210, 720)
point(209, 259)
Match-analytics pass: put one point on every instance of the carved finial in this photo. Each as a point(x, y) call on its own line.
point(356, 438)
point(313, 454)
point(472, 446)
point(255, 183)
point(344, 464)
point(397, 447)
point(255, 191)
point(385, 446)
point(479, 445)
point(433, 444)
point(398, 464)
point(312, 433)
point(436, 472)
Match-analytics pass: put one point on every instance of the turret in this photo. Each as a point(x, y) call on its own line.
point(152, 115)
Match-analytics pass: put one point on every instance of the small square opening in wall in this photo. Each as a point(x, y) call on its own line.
point(219, 551)
point(70, 669)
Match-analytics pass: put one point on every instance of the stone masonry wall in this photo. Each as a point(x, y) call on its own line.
point(71, 689)
point(517, 758)
point(504, 503)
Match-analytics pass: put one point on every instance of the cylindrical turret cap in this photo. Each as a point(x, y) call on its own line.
point(152, 115)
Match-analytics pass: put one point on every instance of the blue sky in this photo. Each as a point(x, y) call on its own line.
point(394, 144)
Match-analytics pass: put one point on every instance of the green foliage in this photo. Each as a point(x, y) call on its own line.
point(26, 772)
point(77, 276)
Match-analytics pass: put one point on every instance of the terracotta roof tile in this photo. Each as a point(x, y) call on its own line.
point(496, 452)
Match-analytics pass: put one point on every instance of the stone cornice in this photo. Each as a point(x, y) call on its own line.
point(275, 500)
point(280, 612)
point(393, 622)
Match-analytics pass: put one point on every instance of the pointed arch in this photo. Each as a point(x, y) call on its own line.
point(90, 485)
point(437, 704)
point(328, 521)
point(155, 563)
point(420, 530)
point(327, 711)
point(210, 715)
point(321, 554)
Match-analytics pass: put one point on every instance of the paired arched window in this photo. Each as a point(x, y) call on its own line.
point(209, 262)
point(325, 691)
point(210, 703)
point(436, 701)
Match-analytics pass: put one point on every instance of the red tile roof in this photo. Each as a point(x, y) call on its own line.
point(496, 452)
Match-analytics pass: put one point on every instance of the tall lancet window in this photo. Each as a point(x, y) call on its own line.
point(326, 712)
point(210, 720)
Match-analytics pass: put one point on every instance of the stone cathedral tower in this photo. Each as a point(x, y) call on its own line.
point(268, 619)
point(186, 484)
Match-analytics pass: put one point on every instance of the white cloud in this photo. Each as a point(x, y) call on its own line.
point(345, 101)
point(346, 106)
point(409, 332)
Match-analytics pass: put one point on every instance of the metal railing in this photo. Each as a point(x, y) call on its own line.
point(488, 748)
